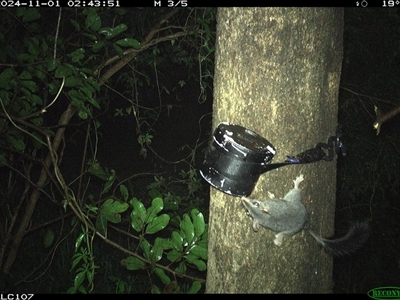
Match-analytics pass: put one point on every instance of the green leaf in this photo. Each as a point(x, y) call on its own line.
point(83, 114)
point(30, 15)
point(90, 275)
point(145, 246)
point(155, 289)
point(101, 224)
point(38, 121)
point(161, 274)
point(200, 264)
point(198, 222)
point(166, 244)
point(52, 64)
point(5, 78)
point(77, 55)
point(93, 21)
point(27, 94)
point(86, 71)
point(72, 81)
point(75, 24)
point(64, 70)
point(109, 183)
point(92, 208)
point(18, 144)
point(204, 240)
point(93, 84)
point(187, 228)
point(86, 90)
point(25, 75)
point(30, 85)
point(110, 33)
point(153, 193)
point(171, 202)
point(77, 258)
point(138, 215)
point(128, 42)
point(194, 288)
point(79, 279)
point(133, 263)
point(158, 223)
point(174, 255)
point(181, 268)
point(156, 206)
point(113, 206)
point(97, 46)
point(48, 238)
point(177, 241)
point(124, 192)
point(119, 11)
point(111, 209)
point(82, 290)
point(97, 170)
point(90, 36)
point(93, 101)
point(25, 57)
point(37, 100)
point(79, 241)
point(40, 74)
point(119, 51)
point(33, 46)
point(106, 31)
point(44, 47)
point(199, 251)
point(156, 251)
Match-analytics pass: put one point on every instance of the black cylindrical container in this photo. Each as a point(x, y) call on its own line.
point(235, 159)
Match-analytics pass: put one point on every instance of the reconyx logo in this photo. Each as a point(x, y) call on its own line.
point(385, 293)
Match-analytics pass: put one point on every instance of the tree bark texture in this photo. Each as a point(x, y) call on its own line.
point(277, 72)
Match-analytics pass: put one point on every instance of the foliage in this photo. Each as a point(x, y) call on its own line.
point(163, 257)
point(57, 83)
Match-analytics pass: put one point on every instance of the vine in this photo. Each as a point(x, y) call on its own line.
point(74, 64)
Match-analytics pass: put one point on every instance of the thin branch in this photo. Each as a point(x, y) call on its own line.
point(382, 118)
point(31, 204)
point(142, 48)
point(144, 45)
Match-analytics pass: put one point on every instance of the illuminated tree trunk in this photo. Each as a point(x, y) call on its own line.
point(277, 73)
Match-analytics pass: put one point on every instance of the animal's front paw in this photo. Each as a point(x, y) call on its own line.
point(297, 181)
point(278, 239)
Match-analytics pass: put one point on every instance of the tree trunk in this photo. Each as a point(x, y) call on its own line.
point(277, 73)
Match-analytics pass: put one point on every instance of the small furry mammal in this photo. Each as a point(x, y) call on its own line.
point(288, 216)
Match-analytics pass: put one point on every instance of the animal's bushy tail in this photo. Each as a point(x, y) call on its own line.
point(348, 244)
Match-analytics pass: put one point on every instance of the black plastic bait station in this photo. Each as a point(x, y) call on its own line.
point(237, 156)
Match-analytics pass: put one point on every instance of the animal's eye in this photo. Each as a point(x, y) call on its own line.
point(256, 204)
